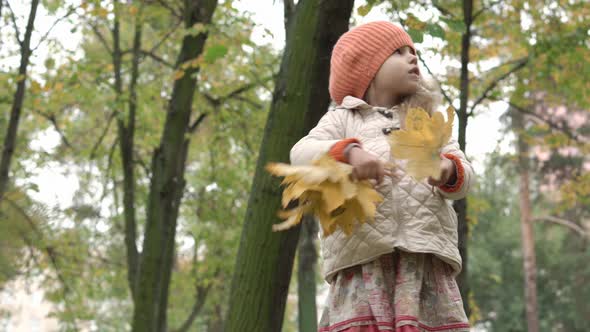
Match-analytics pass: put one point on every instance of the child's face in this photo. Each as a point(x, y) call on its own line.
point(399, 75)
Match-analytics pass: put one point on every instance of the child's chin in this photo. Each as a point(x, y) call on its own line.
point(412, 87)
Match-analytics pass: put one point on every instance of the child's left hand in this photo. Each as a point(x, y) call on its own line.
point(448, 174)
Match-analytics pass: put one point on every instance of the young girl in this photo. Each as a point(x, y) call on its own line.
point(397, 273)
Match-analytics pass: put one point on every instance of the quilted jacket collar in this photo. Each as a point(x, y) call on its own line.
point(353, 103)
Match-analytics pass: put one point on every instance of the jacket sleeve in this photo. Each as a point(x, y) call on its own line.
point(328, 131)
point(465, 173)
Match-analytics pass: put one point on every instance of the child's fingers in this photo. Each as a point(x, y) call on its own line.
point(354, 175)
point(380, 174)
point(390, 166)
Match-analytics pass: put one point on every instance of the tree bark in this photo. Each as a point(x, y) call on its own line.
point(526, 225)
point(126, 132)
point(167, 183)
point(306, 274)
point(265, 259)
point(17, 102)
point(463, 115)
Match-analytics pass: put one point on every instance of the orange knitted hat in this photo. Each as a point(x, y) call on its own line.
point(358, 55)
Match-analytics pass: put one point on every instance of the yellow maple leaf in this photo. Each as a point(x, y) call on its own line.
point(421, 141)
point(325, 189)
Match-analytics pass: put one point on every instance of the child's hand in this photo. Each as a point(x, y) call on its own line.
point(448, 173)
point(367, 166)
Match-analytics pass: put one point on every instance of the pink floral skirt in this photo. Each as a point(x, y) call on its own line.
point(401, 292)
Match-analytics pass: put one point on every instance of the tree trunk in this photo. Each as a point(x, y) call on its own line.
point(306, 274)
point(461, 205)
point(126, 132)
point(265, 259)
point(528, 240)
point(167, 183)
point(17, 102)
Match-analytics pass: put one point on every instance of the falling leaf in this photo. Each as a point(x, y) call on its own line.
point(325, 189)
point(364, 9)
point(421, 141)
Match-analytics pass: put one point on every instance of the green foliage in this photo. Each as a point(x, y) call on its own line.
point(496, 261)
point(18, 224)
point(215, 52)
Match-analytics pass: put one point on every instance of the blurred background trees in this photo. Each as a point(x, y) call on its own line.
point(114, 111)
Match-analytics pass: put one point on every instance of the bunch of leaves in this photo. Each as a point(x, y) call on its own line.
point(421, 141)
point(326, 190)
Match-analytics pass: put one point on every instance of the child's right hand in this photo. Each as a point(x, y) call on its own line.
point(367, 166)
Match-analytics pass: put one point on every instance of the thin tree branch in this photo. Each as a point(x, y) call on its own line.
point(111, 154)
point(447, 98)
point(249, 101)
point(13, 19)
point(101, 38)
point(216, 101)
point(146, 169)
point(53, 120)
point(157, 58)
point(152, 55)
point(108, 171)
point(200, 297)
point(550, 123)
point(193, 127)
point(166, 36)
point(484, 8)
point(69, 12)
point(102, 136)
point(174, 11)
point(515, 62)
point(200, 290)
point(441, 9)
point(521, 64)
point(567, 223)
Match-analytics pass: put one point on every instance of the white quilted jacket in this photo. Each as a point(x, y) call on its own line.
point(411, 217)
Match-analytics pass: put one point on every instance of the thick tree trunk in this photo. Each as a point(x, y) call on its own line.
point(167, 183)
point(461, 205)
point(306, 275)
point(265, 259)
point(17, 101)
point(528, 240)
